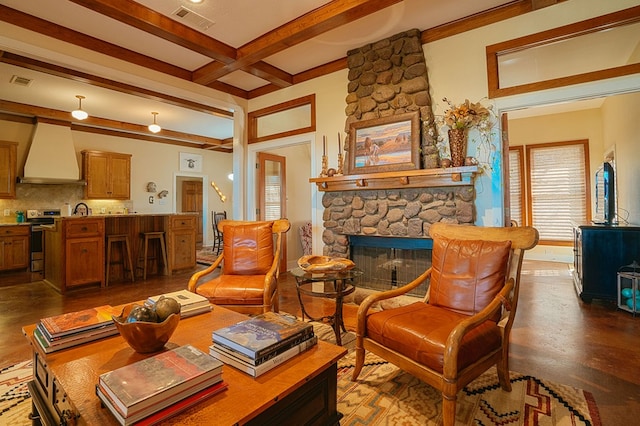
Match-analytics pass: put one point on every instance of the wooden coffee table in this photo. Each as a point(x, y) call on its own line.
point(300, 391)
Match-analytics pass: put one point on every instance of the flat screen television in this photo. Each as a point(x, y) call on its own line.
point(605, 211)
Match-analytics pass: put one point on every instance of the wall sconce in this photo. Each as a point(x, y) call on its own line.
point(79, 114)
point(163, 193)
point(154, 128)
point(220, 194)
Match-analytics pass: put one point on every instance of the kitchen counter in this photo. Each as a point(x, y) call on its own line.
point(14, 224)
point(87, 235)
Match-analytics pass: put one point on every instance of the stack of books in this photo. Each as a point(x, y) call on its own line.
point(155, 388)
point(263, 342)
point(190, 303)
point(74, 328)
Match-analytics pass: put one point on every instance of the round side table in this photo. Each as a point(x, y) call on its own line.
point(332, 285)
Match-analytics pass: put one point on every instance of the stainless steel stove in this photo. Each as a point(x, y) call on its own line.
point(37, 218)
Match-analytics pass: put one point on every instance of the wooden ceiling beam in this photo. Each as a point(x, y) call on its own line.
point(106, 124)
point(152, 22)
point(325, 18)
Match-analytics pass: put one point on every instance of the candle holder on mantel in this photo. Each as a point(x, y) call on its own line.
point(340, 172)
point(325, 166)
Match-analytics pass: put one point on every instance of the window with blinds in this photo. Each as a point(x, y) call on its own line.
point(516, 184)
point(557, 188)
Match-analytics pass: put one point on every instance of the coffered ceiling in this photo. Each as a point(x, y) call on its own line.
point(244, 48)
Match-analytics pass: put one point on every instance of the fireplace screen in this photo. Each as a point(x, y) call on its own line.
point(387, 268)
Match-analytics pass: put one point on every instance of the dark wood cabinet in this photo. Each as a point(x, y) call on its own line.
point(8, 165)
point(14, 247)
point(599, 252)
point(108, 175)
point(181, 243)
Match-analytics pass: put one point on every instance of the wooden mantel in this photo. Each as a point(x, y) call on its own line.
point(423, 178)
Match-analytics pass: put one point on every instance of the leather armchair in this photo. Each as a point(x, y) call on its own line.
point(461, 328)
point(250, 259)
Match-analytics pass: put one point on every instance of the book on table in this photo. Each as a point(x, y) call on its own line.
point(262, 334)
point(190, 303)
point(71, 340)
point(228, 357)
point(79, 321)
point(157, 381)
point(170, 407)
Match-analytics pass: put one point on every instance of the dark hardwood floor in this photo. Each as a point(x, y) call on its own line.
point(594, 346)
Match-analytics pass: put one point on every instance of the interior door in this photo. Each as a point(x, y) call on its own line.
point(192, 202)
point(272, 193)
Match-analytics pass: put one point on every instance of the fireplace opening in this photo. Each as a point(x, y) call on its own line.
point(389, 263)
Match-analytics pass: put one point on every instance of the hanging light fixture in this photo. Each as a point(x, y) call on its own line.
point(154, 128)
point(79, 114)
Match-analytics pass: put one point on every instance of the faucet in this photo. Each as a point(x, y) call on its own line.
point(86, 209)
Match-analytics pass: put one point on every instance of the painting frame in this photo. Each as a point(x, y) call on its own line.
point(190, 162)
point(402, 154)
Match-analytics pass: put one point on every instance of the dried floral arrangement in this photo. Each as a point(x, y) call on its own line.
point(465, 115)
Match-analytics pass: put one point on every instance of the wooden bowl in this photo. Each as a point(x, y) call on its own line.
point(319, 264)
point(146, 337)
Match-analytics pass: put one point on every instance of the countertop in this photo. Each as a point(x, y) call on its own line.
point(130, 215)
point(14, 224)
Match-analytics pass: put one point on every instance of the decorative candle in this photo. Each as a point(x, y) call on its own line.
point(324, 145)
point(339, 144)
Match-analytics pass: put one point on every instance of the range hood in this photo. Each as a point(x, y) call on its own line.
point(52, 157)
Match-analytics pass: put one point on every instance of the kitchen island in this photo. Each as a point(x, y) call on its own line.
point(75, 246)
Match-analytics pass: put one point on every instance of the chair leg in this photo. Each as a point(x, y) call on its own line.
point(503, 373)
point(448, 410)
point(359, 361)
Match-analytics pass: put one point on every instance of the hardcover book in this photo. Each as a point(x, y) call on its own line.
point(144, 383)
point(166, 409)
point(75, 322)
point(262, 334)
point(71, 340)
point(266, 357)
point(257, 370)
point(188, 300)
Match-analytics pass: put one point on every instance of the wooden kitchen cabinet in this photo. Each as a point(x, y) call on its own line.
point(14, 247)
point(181, 244)
point(8, 169)
point(74, 252)
point(108, 175)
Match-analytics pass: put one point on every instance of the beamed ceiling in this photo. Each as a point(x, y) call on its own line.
point(243, 48)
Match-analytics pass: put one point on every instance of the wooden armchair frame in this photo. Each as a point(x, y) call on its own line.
point(453, 379)
point(270, 293)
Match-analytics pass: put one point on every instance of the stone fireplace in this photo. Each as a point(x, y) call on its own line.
point(381, 220)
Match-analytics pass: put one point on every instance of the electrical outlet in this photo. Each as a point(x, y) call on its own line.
point(103, 210)
point(7, 212)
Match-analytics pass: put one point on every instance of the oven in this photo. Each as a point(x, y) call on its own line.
point(37, 218)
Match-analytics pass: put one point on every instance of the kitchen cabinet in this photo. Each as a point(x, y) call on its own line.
point(181, 244)
point(74, 252)
point(599, 252)
point(108, 175)
point(14, 247)
point(8, 169)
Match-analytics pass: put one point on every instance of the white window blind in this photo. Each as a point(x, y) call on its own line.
point(557, 182)
point(515, 186)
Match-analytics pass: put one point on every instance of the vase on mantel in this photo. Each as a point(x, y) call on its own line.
point(458, 146)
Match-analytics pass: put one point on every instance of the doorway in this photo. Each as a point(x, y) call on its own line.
point(192, 203)
point(272, 192)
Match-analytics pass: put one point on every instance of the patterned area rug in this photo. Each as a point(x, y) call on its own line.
point(385, 395)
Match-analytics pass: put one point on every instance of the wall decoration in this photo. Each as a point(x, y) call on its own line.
point(385, 144)
point(190, 162)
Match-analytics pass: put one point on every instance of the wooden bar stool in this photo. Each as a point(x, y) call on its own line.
point(145, 239)
point(122, 241)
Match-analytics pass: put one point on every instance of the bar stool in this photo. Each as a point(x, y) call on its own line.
point(143, 256)
point(122, 241)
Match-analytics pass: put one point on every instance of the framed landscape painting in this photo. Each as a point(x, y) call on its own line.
point(385, 144)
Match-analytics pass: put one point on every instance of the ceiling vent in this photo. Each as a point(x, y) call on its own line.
point(21, 81)
point(192, 18)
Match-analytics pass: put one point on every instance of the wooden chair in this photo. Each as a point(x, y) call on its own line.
point(250, 258)
point(216, 217)
point(461, 328)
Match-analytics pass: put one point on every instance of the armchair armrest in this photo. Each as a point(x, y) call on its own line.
point(193, 281)
point(450, 364)
point(383, 295)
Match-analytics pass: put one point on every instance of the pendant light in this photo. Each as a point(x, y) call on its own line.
point(79, 114)
point(154, 128)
